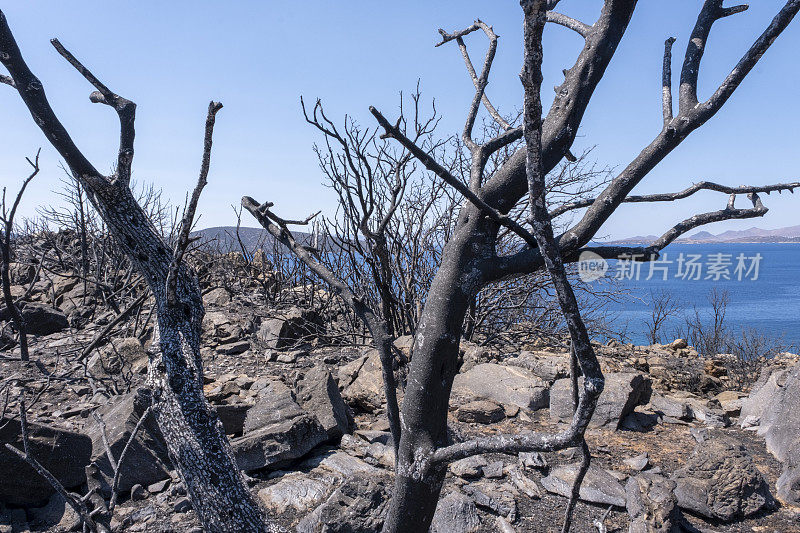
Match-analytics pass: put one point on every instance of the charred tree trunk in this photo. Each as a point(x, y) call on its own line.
point(197, 444)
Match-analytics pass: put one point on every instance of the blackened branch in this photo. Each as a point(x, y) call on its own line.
point(431, 164)
point(278, 228)
point(666, 81)
point(126, 110)
point(729, 213)
point(188, 216)
point(711, 11)
point(671, 197)
point(577, 26)
point(458, 37)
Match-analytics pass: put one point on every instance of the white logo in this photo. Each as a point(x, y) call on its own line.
point(591, 266)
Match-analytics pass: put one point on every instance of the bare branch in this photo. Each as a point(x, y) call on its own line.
point(118, 463)
point(7, 80)
point(431, 164)
point(277, 227)
point(7, 218)
point(711, 11)
point(577, 26)
point(126, 110)
point(729, 213)
point(32, 93)
point(671, 197)
point(666, 81)
point(458, 37)
point(188, 215)
point(751, 57)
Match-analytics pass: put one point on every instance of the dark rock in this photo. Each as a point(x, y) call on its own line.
point(623, 391)
point(598, 486)
point(63, 453)
point(21, 273)
point(147, 460)
point(233, 348)
point(274, 403)
point(138, 493)
point(455, 513)
point(318, 394)
point(41, 319)
point(652, 505)
point(232, 416)
point(57, 515)
point(502, 384)
point(182, 505)
point(720, 481)
point(293, 327)
point(493, 470)
point(358, 506)
point(120, 355)
point(279, 443)
point(480, 412)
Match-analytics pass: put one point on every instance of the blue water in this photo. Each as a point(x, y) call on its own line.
point(770, 304)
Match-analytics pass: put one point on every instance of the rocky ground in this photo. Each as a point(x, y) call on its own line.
point(675, 441)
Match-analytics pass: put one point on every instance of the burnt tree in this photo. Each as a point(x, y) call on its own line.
point(470, 260)
point(197, 444)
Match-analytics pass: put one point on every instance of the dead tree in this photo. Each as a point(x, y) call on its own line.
point(195, 439)
point(470, 260)
point(7, 219)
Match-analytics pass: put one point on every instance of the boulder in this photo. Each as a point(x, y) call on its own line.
point(63, 453)
point(455, 513)
point(126, 354)
point(720, 481)
point(318, 394)
point(623, 391)
point(294, 326)
point(480, 412)
point(362, 380)
point(147, 460)
point(503, 384)
point(232, 416)
point(276, 430)
point(669, 406)
point(358, 506)
point(297, 491)
point(598, 486)
point(652, 505)
point(216, 297)
point(21, 273)
point(41, 319)
point(469, 467)
point(279, 443)
point(780, 427)
point(274, 403)
point(222, 327)
point(546, 365)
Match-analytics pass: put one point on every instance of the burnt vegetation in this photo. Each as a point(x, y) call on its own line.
point(357, 333)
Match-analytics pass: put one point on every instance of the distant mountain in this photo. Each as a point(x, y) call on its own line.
point(224, 238)
point(754, 234)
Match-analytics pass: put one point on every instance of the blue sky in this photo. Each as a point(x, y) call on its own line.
point(258, 58)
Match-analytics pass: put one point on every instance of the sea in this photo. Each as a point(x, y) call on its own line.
point(762, 281)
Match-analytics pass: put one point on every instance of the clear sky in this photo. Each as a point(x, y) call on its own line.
point(258, 58)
